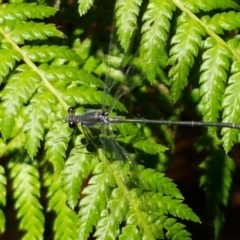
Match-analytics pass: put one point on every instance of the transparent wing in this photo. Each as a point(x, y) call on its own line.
point(113, 150)
point(123, 69)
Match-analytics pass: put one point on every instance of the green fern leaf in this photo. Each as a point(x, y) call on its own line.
point(26, 187)
point(196, 6)
point(66, 230)
point(8, 61)
point(174, 229)
point(130, 232)
point(214, 74)
point(76, 169)
point(22, 11)
point(25, 84)
point(47, 53)
point(93, 203)
point(38, 111)
point(111, 219)
point(70, 75)
point(126, 129)
point(186, 44)
point(132, 198)
point(126, 21)
point(150, 147)
point(155, 32)
point(107, 228)
point(127, 133)
point(84, 6)
point(157, 182)
point(217, 185)
point(66, 222)
point(176, 208)
point(231, 111)
point(85, 95)
point(221, 188)
point(24, 31)
point(228, 21)
point(57, 139)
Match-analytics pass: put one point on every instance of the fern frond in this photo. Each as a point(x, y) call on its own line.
point(94, 202)
point(130, 231)
point(46, 53)
point(56, 145)
point(112, 217)
point(155, 31)
point(127, 130)
point(185, 48)
point(126, 21)
point(131, 134)
point(228, 21)
point(129, 199)
point(214, 69)
point(157, 182)
point(150, 147)
point(217, 181)
point(25, 83)
point(83, 95)
point(175, 207)
point(175, 230)
point(84, 6)
point(231, 110)
point(76, 169)
point(196, 6)
point(38, 110)
point(70, 74)
point(118, 176)
point(66, 222)
point(23, 31)
point(26, 187)
point(8, 61)
point(22, 11)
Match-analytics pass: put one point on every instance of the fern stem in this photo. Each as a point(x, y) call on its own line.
point(134, 206)
point(35, 68)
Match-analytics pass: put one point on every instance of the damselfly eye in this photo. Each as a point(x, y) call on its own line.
point(72, 124)
point(71, 110)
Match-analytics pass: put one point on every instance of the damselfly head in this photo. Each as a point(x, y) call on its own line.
point(71, 118)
